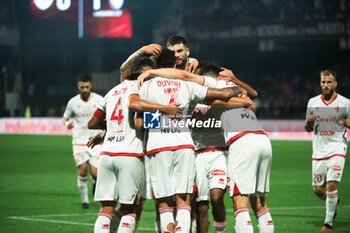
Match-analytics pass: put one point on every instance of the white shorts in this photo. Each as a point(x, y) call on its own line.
point(327, 170)
point(83, 154)
point(211, 172)
point(249, 164)
point(119, 178)
point(172, 172)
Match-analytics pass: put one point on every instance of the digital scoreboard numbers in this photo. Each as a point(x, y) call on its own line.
point(92, 18)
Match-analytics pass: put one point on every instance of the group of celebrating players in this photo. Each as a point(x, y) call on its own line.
point(135, 164)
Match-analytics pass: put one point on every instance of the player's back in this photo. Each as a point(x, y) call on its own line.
point(121, 136)
point(174, 133)
point(235, 122)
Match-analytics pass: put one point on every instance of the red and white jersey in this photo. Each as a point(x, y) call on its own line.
point(235, 122)
point(329, 132)
point(81, 112)
point(165, 91)
point(121, 137)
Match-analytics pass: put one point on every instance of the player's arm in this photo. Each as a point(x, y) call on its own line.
point(97, 120)
point(310, 123)
point(125, 68)
point(228, 75)
point(224, 93)
point(310, 118)
point(140, 105)
point(170, 73)
point(346, 123)
point(67, 123)
point(96, 139)
point(139, 121)
point(234, 102)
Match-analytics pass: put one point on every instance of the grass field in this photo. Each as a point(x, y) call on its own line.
point(38, 192)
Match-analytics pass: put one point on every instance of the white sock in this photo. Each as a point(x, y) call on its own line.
point(166, 215)
point(265, 223)
point(220, 227)
point(243, 221)
point(331, 206)
point(193, 225)
point(102, 223)
point(83, 189)
point(127, 224)
point(183, 218)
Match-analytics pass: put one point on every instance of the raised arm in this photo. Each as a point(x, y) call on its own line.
point(228, 75)
point(125, 68)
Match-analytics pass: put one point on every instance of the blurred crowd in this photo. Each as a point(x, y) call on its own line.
point(181, 14)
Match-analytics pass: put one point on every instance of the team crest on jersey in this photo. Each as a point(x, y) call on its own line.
point(151, 120)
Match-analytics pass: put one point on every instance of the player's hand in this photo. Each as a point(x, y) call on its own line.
point(312, 118)
point(227, 75)
point(96, 139)
point(144, 77)
point(193, 65)
point(346, 122)
point(70, 125)
point(153, 49)
point(173, 110)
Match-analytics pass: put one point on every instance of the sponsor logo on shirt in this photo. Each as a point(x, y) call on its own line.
point(336, 168)
point(218, 172)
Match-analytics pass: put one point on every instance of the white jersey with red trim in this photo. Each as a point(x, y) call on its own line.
point(235, 122)
point(81, 112)
point(121, 137)
point(165, 91)
point(329, 132)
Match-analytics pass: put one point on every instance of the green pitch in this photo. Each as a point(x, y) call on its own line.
point(38, 191)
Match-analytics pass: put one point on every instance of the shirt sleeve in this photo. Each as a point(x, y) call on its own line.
point(68, 112)
point(197, 92)
point(348, 109)
point(133, 90)
point(209, 82)
point(102, 104)
point(144, 90)
point(308, 110)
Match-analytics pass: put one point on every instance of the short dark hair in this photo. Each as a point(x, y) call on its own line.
point(166, 59)
point(177, 39)
point(211, 69)
point(141, 63)
point(329, 72)
point(84, 78)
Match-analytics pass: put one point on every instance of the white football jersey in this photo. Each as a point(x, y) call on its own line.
point(235, 122)
point(165, 91)
point(329, 132)
point(81, 112)
point(122, 139)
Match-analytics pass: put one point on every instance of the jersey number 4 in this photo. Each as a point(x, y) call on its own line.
point(117, 114)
